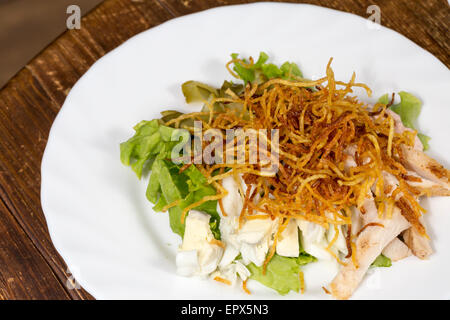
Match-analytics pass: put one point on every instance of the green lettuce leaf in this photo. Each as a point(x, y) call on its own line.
point(282, 273)
point(175, 214)
point(291, 71)
point(209, 207)
point(384, 99)
point(305, 258)
point(271, 71)
point(381, 261)
point(195, 91)
point(150, 147)
point(261, 71)
point(167, 185)
point(263, 57)
point(151, 140)
point(409, 110)
point(234, 87)
point(154, 187)
point(246, 74)
point(425, 141)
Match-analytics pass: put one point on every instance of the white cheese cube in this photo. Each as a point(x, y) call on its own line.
point(288, 244)
point(198, 237)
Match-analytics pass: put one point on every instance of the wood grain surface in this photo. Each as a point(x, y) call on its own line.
point(30, 267)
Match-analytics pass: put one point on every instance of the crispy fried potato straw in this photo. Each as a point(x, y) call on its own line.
point(318, 123)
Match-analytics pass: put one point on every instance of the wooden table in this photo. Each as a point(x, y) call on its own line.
point(30, 267)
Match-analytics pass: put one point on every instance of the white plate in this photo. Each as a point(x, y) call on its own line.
point(97, 213)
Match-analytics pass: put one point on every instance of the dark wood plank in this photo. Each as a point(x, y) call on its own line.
point(26, 116)
point(31, 100)
point(20, 268)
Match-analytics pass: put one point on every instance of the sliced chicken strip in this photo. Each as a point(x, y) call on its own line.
point(425, 166)
point(418, 161)
point(427, 187)
point(396, 250)
point(357, 221)
point(434, 181)
point(415, 159)
point(419, 245)
point(430, 188)
point(369, 245)
point(369, 211)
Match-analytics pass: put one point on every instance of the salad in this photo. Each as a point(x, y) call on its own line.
point(277, 171)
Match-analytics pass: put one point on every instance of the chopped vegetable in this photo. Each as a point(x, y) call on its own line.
point(381, 261)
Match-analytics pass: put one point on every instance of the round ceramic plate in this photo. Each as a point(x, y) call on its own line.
point(98, 216)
